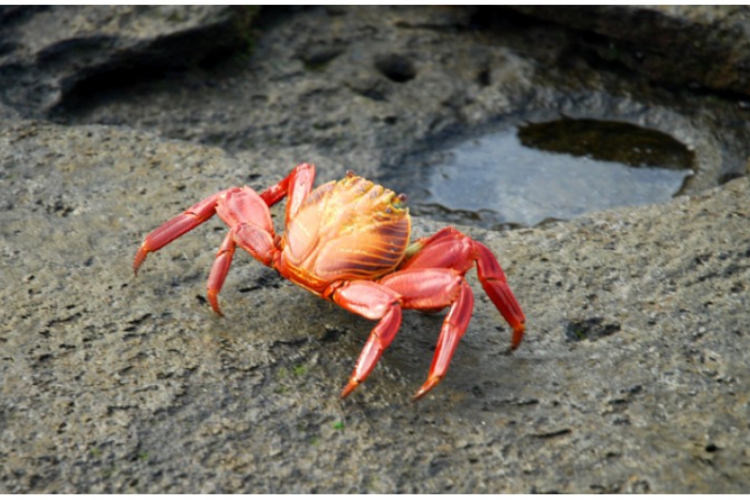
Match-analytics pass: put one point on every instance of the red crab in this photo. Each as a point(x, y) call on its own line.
point(348, 242)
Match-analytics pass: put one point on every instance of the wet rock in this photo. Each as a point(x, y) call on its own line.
point(698, 46)
point(52, 57)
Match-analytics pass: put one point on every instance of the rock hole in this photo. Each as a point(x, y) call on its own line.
point(332, 334)
point(591, 329)
point(483, 78)
point(396, 68)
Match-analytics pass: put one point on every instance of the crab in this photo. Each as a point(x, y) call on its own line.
point(348, 242)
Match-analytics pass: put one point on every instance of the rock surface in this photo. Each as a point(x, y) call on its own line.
point(51, 55)
point(704, 46)
point(633, 377)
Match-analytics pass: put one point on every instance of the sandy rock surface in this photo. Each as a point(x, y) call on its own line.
point(633, 377)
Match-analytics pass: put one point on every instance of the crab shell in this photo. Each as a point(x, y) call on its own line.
point(352, 229)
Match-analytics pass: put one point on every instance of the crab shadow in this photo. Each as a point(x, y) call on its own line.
point(269, 313)
point(483, 374)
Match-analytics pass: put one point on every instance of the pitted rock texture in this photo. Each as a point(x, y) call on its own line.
point(701, 46)
point(118, 384)
point(53, 54)
point(633, 376)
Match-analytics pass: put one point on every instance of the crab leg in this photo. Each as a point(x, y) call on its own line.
point(495, 285)
point(251, 228)
point(219, 271)
point(256, 241)
point(297, 185)
point(423, 289)
point(429, 289)
point(449, 248)
point(176, 227)
point(372, 301)
point(454, 327)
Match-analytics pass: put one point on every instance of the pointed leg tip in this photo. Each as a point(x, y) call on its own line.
point(517, 336)
point(139, 258)
point(214, 301)
point(427, 387)
point(353, 383)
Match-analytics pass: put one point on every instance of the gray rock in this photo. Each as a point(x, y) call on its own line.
point(703, 46)
point(328, 90)
point(53, 55)
point(632, 378)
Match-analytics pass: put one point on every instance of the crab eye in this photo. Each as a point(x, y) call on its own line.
point(350, 173)
point(400, 199)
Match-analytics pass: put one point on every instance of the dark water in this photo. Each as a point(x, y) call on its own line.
point(554, 170)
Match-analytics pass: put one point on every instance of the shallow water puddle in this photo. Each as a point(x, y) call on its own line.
point(554, 170)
